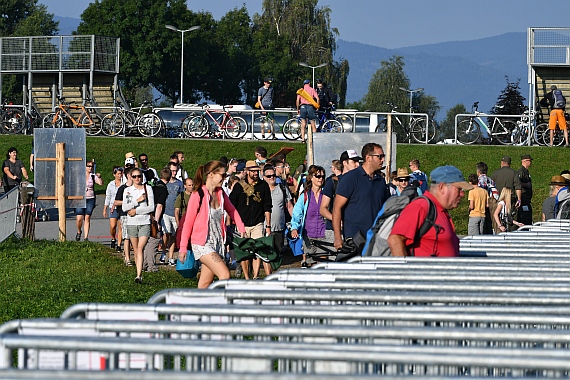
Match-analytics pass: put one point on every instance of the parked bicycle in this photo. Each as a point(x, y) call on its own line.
point(12, 118)
point(474, 127)
point(224, 125)
point(64, 116)
point(328, 122)
point(415, 130)
point(267, 123)
point(125, 121)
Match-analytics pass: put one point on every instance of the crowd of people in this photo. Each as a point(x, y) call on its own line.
point(153, 212)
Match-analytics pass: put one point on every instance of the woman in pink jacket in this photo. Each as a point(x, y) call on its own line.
point(204, 226)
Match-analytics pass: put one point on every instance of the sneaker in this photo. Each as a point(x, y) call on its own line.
point(86, 239)
point(78, 236)
point(172, 262)
point(113, 243)
point(304, 264)
point(163, 258)
point(138, 280)
point(119, 248)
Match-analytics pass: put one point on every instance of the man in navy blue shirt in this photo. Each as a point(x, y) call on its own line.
point(360, 195)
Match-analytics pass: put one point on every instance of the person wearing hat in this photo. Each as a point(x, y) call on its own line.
point(447, 189)
point(265, 100)
point(132, 155)
point(252, 199)
point(508, 177)
point(306, 110)
point(403, 180)
point(556, 114)
point(557, 183)
point(524, 212)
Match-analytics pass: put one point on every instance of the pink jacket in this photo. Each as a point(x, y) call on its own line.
point(196, 226)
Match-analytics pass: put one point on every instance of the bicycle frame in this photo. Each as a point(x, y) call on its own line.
point(63, 108)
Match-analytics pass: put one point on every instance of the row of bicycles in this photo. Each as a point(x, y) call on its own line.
point(506, 131)
point(216, 124)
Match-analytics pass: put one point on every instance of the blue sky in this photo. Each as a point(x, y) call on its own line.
point(398, 23)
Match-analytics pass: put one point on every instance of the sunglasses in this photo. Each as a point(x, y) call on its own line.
point(270, 176)
point(89, 166)
point(118, 170)
point(380, 156)
point(320, 176)
point(403, 180)
point(137, 176)
point(143, 159)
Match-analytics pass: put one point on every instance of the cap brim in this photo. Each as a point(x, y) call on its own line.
point(464, 185)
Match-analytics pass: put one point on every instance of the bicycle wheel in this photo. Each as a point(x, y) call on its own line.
point(264, 126)
point(332, 126)
point(418, 130)
point(346, 122)
point(292, 129)
point(538, 134)
point(112, 124)
point(52, 120)
point(381, 127)
point(503, 131)
point(235, 127)
point(557, 137)
point(13, 121)
point(92, 124)
point(468, 131)
point(149, 125)
point(195, 126)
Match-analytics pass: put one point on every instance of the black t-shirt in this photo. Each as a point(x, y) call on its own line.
point(252, 208)
point(160, 194)
point(119, 197)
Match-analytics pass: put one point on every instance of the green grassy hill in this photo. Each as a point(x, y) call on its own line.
point(111, 151)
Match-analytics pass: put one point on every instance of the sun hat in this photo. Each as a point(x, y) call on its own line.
point(402, 173)
point(252, 165)
point(557, 180)
point(450, 175)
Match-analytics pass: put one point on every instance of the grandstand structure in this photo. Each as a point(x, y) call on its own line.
point(548, 59)
point(83, 69)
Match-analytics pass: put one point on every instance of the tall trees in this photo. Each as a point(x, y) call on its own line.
point(300, 31)
point(510, 101)
point(384, 87)
point(447, 126)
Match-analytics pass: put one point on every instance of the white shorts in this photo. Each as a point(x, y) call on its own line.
point(169, 225)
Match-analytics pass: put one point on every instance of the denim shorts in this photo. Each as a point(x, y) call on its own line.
point(307, 112)
point(114, 214)
point(89, 206)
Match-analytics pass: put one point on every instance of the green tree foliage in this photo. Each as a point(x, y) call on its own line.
point(384, 87)
point(25, 18)
point(510, 101)
point(426, 104)
point(447, 126)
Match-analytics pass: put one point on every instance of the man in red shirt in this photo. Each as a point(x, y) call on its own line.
point(446, 191)
point(306, 110)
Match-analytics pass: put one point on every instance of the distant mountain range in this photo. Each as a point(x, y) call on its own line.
point(454, 72)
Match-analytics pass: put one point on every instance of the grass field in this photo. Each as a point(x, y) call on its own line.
point(41, 279)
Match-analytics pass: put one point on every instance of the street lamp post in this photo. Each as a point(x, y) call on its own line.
point(312, 67)
point(411, 92)
point(182, 56)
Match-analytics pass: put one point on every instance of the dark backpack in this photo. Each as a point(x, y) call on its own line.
point(562, 204)
point(377, 236)
point(559, 99)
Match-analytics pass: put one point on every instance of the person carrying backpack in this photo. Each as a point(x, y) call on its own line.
point(447, 189)
point(557, 103)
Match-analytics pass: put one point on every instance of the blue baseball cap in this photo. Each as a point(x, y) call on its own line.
point(306, 81)
point(451, 175)
point(240, 167)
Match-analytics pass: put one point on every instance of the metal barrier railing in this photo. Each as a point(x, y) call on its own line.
point(295, 358)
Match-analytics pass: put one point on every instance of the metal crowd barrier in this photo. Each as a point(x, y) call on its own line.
point(539, 317)
point(465, 336)
point(297, 358)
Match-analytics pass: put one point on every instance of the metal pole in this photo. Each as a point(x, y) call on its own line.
point(182, 71)
point(60, 188)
